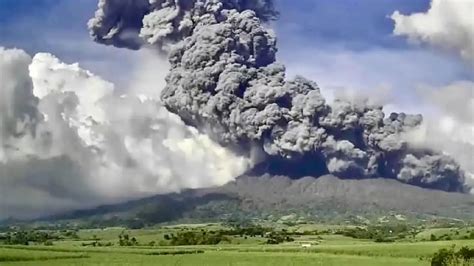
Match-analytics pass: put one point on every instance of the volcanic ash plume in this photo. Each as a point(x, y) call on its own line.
point(225, 81)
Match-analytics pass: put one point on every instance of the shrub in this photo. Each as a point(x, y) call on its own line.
point(125, 240)
point(444, 257)
point(466, 254)
point(449, 257)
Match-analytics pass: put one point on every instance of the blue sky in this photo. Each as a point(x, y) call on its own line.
point(340, 44)
point(354, 24)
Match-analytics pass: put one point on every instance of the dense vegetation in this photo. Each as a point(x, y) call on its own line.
point(28, 237)
point(190, 238)
point(215, 237)
point(451, 257)
point(380, 233)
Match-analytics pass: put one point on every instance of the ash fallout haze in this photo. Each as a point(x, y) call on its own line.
point(203, 96)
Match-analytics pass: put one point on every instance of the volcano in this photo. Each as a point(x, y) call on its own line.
point(324, 199)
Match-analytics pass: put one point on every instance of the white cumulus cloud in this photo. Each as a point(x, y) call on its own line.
point(69, 139)
point(448, 24)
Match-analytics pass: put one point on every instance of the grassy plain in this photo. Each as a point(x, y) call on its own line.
point(325, 249)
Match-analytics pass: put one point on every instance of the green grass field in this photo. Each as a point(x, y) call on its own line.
point(326, 249)
point(213, 258)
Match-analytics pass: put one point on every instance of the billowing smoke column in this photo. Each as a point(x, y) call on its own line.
point(224, 80)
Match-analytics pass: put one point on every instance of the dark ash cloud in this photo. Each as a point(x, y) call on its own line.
point(225, 81)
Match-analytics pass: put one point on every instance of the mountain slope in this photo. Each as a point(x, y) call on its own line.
point(323, 199)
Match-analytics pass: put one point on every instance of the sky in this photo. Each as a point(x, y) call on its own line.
point(340, 44)
point(421, 63)
point(350, 44)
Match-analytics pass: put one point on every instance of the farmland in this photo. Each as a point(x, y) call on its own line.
point(284, 245)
